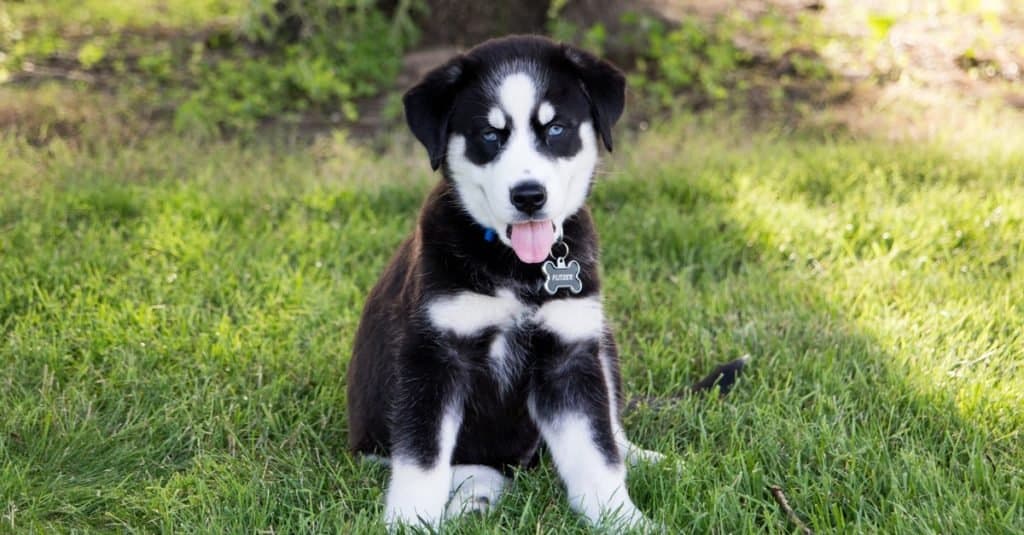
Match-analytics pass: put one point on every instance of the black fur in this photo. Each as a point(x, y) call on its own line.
point(405, 372)
point(452, 99)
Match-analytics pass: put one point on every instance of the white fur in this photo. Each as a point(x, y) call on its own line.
point(496, 118)
point(634, 454)
point(545, 112)
point(474, 488)
point(631, 453)
point(517, 94)
point(468, 313)
point(484, 190)
point(578, 170)
point(504, 363)
point(572, 319)
point(596, 488)
point(418, 495)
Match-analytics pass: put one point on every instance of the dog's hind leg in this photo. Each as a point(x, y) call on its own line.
point(633, 454)
point(475, 488)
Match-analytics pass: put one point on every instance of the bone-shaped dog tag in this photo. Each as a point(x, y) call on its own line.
point(561, 275)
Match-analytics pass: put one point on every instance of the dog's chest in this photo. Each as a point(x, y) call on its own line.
point(500, 324)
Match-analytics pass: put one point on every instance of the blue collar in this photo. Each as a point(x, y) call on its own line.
point(490, 235)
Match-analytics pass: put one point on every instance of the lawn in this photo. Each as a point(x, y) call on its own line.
point(176, 318)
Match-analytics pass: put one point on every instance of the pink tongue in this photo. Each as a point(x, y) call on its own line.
point(532, 241)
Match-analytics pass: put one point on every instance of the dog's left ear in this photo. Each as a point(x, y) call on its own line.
point(605, 87)
point(428, 106)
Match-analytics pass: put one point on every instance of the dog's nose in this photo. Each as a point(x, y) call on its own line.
point(528, 197)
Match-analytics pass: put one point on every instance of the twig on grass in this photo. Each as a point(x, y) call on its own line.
point(780, 498)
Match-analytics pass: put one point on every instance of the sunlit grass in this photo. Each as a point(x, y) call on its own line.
point(176, 318)
point(86, 16)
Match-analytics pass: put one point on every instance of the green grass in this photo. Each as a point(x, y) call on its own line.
point(176, 318)
point(83, 16)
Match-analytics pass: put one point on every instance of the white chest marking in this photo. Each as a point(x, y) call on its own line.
point(504, 362)
point(572, 319)
point(468, 313)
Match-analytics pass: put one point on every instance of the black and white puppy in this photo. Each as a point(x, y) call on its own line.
point(465, 362)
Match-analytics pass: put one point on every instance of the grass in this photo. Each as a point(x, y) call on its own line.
point(176, 319)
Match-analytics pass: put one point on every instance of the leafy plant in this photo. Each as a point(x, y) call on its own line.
point(267, 59)
point(318, 55)
point(686, 60)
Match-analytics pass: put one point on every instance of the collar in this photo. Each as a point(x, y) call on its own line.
point(490, 235)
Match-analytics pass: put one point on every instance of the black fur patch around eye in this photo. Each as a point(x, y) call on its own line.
point(469, 120)
point(481, 151)
point(571, 110)
point(560, 90)
point(566, 145)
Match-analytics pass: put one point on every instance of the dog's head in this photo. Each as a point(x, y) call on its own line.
point(515, 122)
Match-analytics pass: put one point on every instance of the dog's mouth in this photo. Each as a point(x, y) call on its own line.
point(532, 240)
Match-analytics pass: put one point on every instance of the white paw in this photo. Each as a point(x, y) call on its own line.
point(636, 455)
point(417, 512)
point(413, 511)
point(415, 497)
point(627, 518)
point(633, 454)
point(474, 489)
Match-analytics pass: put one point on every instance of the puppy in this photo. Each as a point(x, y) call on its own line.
point(486, 336)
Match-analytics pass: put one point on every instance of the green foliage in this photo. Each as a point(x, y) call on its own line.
point(880, 24)
point(320, 55)
point(690, 59)
point(91, 53)
point(278, 59)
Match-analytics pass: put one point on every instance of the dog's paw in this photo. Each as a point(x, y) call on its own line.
point(410, 506)
point(475, 489)
point(398, 517)
point(636, 455)
point(628, 519)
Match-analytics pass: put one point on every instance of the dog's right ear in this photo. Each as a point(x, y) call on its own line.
point(604, 86)
point(428, 106)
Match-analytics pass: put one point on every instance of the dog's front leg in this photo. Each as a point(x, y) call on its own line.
point(570, 401)
point(425, 420)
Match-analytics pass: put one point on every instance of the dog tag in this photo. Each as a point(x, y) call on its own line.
point(561, 275)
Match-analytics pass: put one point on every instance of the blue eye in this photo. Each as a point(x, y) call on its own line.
point(555, 130)
point(490, 136)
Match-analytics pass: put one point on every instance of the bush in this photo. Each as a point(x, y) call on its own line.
point(690, 59)
point(299, 56)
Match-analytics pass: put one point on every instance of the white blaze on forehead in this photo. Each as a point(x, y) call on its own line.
point(517, 94)
point(496, 118)
point(545, 113)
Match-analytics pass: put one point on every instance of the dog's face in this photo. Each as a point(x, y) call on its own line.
point(515, 122)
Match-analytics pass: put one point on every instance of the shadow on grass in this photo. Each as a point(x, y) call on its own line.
point(824, 410)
